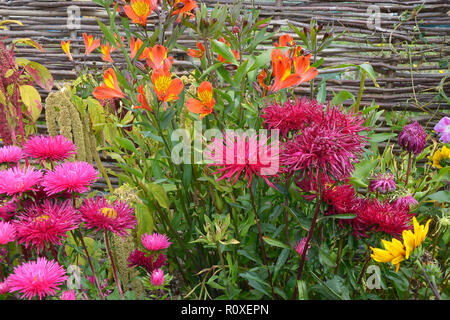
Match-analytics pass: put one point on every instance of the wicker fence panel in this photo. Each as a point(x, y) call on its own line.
point(407, 43)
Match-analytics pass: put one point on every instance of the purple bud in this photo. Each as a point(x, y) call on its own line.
point(413, 138)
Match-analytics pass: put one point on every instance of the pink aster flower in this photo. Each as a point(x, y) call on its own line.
point(244, 154)
point(10, 154)
point(116, 217)
point(7, 208)
point(49, 148)
point(47, 223)
point(442, 128)
point(68, 295)
point(155, 241)
point(15, 181)
point(382, 216)
point(412, 138)
point(291, 116)
point(7, 232)
point(300, 247)
point(157, 278)
point(71, 177)
point(382, 183)
point(329, 145)
point(407, 202)
point(149, 263)
point(37, 278)
point(4, 287)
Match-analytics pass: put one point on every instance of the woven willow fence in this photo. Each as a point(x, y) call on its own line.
point(406, 42)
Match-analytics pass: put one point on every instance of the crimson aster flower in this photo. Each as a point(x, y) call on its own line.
point(7, 232)
point(116, 217)
point(4, 287)
point(149, 263)
point(7, 208)
point(342, 198)
point(291, 116)
point(15, 181)
point(300, 247)
point(71, 177)
point(412, 138)
point(243, 154)
point(155, 241)
point(382, 183)
point(157, 278)
point(37, 278)
point(442, 128)
point(46, 223)
point(10, 154)
point(49, 148)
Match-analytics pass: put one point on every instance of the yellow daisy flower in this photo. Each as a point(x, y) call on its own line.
point(394, 253)
point(412, 240)
point(439, 156)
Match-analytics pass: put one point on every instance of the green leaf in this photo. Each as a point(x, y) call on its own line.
point(145, 220)
point(441, 196)
point(341, 97)
point(302, 290)
point(366, 67)
point(40, 74)
point(362, 171)
point(275, 243)
point(160, 195)
point(224, 50)
point(126, 144)
point(380, 137)
point(32, 100)
point(29, 42)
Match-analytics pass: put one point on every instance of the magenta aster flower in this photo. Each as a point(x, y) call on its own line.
point(412, 138)
point(342, 198)
point(7, 208)
point(47, 223)
point(407, 202)
point(71, 177)
point(37, 278)
point(291, 116)
point(138, 258)
point(4, 287)
point(115, 217)
point(382, 216)
point(49, 148)
point(15, 181)
point(68, 295)
point(442, 128)
point(157, 278)
point(7, 232)
point(382, 183)
point(10, 154)
point(300, 247)
point(242, 154)
point(330, 145)
point(155, 241)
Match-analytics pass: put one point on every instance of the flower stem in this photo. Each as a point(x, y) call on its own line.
point(262, 242)
point(113, 265)
point(408, 171)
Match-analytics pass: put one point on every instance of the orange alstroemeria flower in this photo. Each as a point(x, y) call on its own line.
point(106, 51)
point(205, 102)
point(284, 41)
point(142, 99)
point(139, 10)
point(157, 57)
point(166, 88)
point(281, 70)
point(66, 48)
point(183, 8)
point(135, 45)
point(90, 44)
point(303, 69)
point(235, 52)
point(197, 53)
point(109, 88)
point(261, 80)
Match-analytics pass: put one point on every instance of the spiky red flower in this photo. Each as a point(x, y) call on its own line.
point(149, 263)
point(300, 247)
point(7, 232)
point(46, 223)
point(7, 208)
point(413, 138)
point(291, 116)
point(116, 217)
point(250, 155)
point(49, 148)
point(382, 183)
point(15, 181)
point(71, 177)
point(155, 241)
point(10, 154)
point(37, 278)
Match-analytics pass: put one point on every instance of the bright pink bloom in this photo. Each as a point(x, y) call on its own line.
point(155, 241)
point(157, 278)
point(16, 181)
point(139, 258)
point(49, 148)
point(442, 128)
point(382, 183)
point(10, 154)
point(47, 223)
point(37, 278)
point(7, 208)
point(68, 295)
point(116, 217)
point(4, 287)
point(71, 177)
point(407, 202)
point(241, 154)
point(7, 232)
point(412, 138)
point(291, 116)
point(300, 247)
